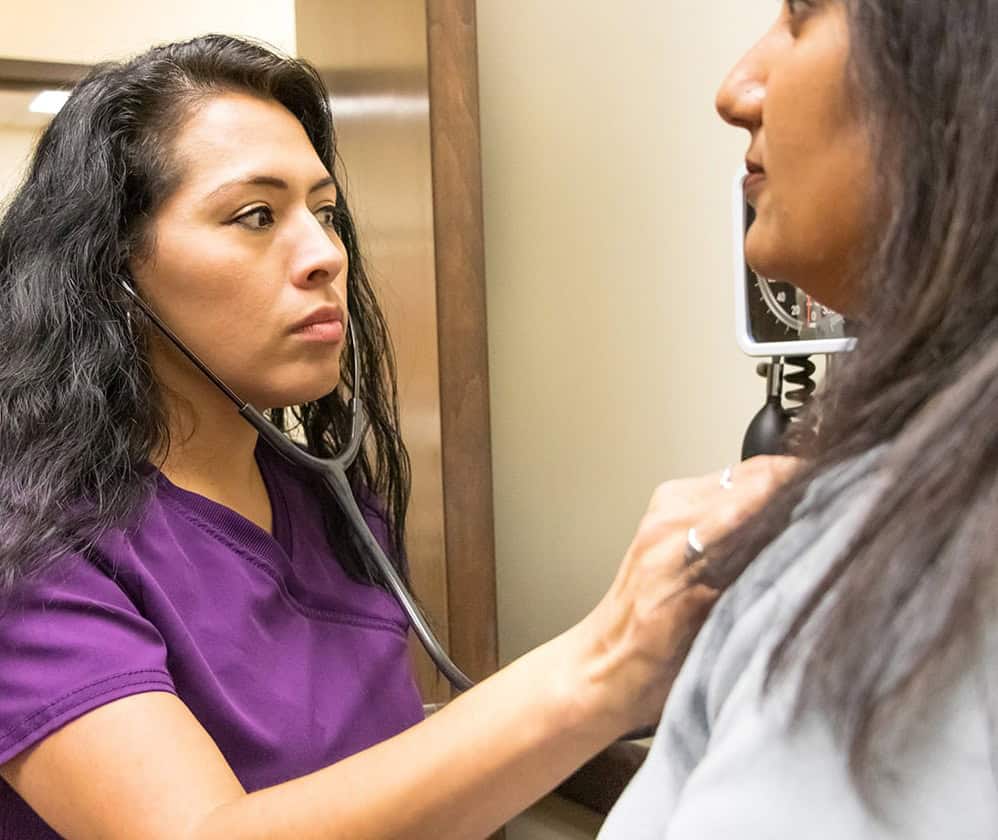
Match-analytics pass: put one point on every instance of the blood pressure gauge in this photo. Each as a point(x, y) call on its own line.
point(774, 318)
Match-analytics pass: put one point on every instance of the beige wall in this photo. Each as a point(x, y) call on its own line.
point(16, 145)
point(91, 30)
point(612, 355)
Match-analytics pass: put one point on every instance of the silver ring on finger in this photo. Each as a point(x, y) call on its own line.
point(726, 481)
point(694, 548)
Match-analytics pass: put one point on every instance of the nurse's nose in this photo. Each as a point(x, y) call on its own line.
point(321, 256)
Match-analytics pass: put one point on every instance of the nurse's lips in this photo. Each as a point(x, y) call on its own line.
point(322, 324)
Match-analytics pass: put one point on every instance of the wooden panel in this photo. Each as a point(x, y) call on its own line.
point(18, 74)
point(462, 336)
point(381, 114)
point(411, 214)
point(464, 385)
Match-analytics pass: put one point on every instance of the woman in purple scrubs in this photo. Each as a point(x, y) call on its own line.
point(189, 647)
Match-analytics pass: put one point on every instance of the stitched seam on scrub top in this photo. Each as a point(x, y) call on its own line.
point(333, 616)
point(164, 679)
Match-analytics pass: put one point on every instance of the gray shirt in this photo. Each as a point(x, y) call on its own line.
point(725, 761)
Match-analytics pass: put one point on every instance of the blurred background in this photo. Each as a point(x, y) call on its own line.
point(604, 210)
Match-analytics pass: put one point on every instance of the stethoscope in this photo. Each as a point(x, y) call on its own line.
point(333, 472)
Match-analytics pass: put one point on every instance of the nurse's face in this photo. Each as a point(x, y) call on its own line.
point(809, 157)
point(245, 264)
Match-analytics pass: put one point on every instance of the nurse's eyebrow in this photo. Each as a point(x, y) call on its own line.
point(269, 181)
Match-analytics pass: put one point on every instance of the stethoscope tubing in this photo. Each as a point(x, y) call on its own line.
point(332, 471)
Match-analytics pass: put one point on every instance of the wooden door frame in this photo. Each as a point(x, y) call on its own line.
point(466, 447)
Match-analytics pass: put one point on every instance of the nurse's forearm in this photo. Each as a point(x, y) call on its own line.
point(460, 774)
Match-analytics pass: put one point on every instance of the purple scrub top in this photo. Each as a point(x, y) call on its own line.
point(287, 663)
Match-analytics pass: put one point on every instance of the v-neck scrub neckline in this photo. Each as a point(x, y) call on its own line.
point(234, 525)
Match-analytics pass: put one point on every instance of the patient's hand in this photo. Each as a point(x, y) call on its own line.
point(640, 632)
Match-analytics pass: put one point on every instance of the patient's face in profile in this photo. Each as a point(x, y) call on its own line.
point(243, 250)
point(809, 152)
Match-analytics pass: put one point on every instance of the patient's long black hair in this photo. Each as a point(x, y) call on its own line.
point(898, 610)
point(80, 412)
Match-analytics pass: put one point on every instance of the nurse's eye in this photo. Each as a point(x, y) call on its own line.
point(256, 219)
point(332, 217)
point(328, 215)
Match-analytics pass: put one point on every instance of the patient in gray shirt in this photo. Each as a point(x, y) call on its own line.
point(844, 684)
point(728, 763)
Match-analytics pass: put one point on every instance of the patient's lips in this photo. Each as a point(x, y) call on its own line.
point(754, 181)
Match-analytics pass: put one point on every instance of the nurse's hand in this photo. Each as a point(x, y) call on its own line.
point(635, 640)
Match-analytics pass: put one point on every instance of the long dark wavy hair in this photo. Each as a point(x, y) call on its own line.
point(881, 629)
point(80, 411)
